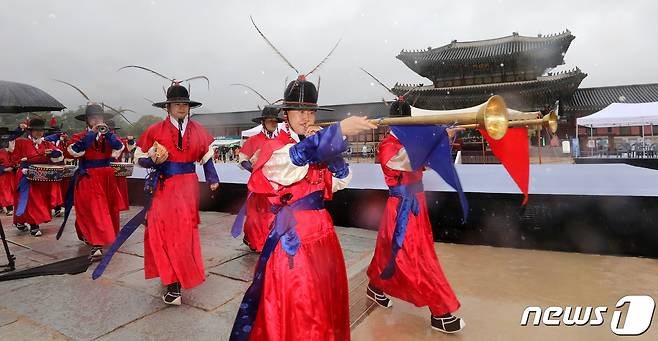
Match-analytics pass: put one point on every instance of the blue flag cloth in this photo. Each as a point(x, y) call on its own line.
point(429, 145)
point(283, 230)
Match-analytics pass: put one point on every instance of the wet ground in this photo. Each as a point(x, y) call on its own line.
point(494, 285)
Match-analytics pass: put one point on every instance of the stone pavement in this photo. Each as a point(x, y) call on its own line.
point(494, 285)
point(122, 305)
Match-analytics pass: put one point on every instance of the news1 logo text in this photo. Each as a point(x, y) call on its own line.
point(637, 318)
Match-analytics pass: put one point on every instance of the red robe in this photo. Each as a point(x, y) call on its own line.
point(7, 185)
point(259, 215)
point(96, 197)
point(43, 196)
point(418, 278)
point(64, 184)
point(309, 301)
point(171, 243)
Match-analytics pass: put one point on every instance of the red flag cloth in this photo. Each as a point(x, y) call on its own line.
point(53, 121)
point(513, 152)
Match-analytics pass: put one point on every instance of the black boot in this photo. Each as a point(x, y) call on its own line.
point(34, 230)
point(58, 211)
point(244, 240)
point(377, 296)
point(96, 252)
point(447, 323)
point(10, 210)
point(21, 227)
point(173, 295)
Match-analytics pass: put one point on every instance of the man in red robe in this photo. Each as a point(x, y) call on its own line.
point(93, 190)
point(172, 250)
point(258, 210)
point(413, 274)
point(7, 168)
point(299, 291)
point(60, 140)
point(34, 200)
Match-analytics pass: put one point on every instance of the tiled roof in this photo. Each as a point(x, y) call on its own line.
point(594, 99)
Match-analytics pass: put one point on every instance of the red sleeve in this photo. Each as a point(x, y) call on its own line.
point(258, 183)
point(75, 138)
point(388, 148)
point(249, 147)
point(146, 140)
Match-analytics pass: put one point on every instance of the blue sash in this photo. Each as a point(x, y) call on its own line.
point(156, 177)
point(83, 165)
point(283, 229)
point(236, 229)
point(408, 204)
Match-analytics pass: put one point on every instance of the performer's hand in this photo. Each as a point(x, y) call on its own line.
point(23, 126)
point(158, 153)
point(214, 187)
point(8, 169)
point(354, 125)
point(23, 159)
point(312, 130)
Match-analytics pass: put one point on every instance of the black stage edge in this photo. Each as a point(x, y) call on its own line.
point(611, 225)
point(645, 163)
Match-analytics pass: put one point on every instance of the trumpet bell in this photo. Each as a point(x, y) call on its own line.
point(493, 115)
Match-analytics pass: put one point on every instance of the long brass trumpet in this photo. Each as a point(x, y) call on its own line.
point(534, 119)
point(492, 115)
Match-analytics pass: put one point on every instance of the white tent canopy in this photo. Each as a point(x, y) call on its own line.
point(622, 115)
point(251, 132)
point(255, 130)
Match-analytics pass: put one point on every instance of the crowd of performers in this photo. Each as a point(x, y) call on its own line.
point(299, 289)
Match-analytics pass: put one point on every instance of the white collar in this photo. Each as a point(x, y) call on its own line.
point(174, 122)
point(271, 135)
point(36, 141)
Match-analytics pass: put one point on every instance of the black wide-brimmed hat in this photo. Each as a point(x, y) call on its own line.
point(37, 123)
point(94, 109)
point(400, 108)
point(301, 94)
point(269, 111)
point(112, 125)
point(177, 94)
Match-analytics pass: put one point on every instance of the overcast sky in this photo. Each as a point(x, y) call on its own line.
point(86, 41)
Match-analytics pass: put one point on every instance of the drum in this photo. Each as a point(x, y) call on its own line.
point(68, 171)
point(45, 173)
point(124, 169)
